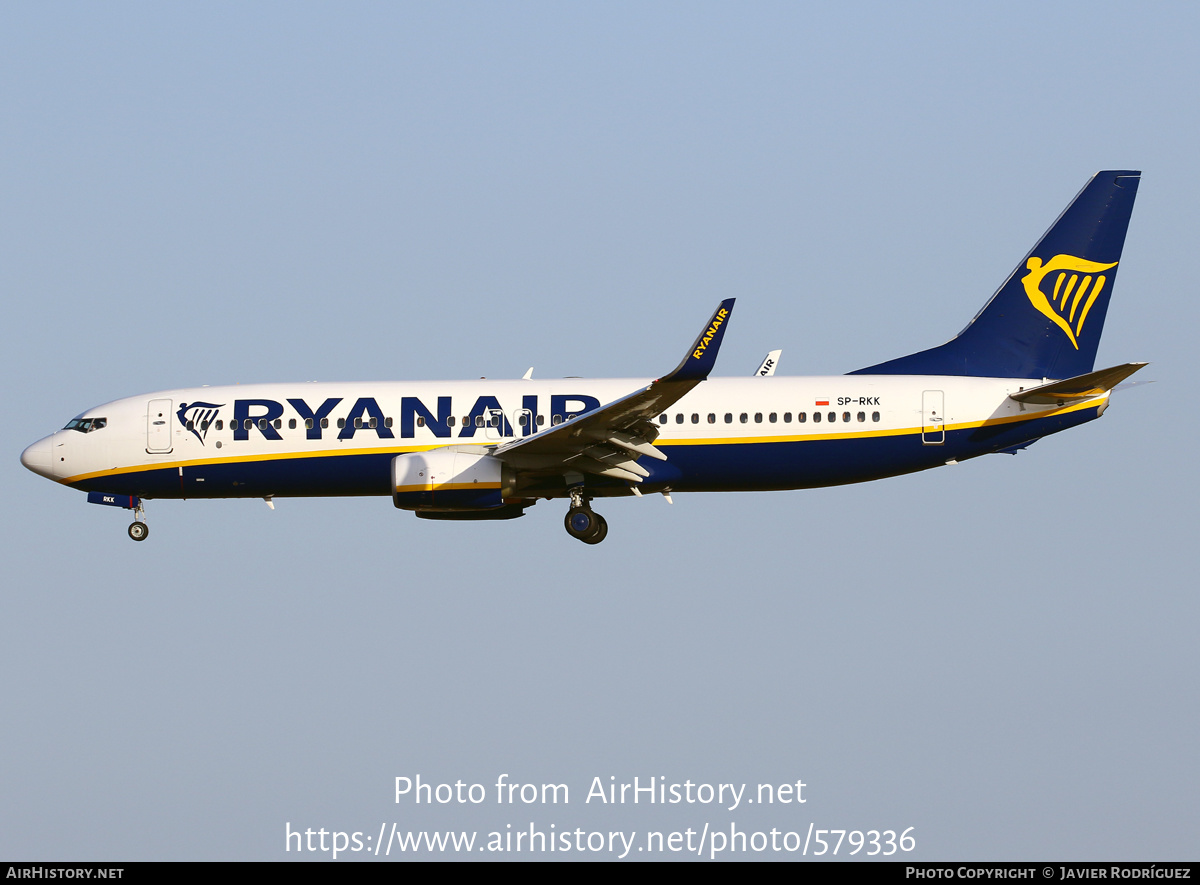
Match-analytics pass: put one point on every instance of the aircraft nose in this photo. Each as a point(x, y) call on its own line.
point(38, 458)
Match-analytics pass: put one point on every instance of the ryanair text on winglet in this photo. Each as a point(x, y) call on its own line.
point(710, 333)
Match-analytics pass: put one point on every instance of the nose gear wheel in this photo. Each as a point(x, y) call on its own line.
point(138, 530)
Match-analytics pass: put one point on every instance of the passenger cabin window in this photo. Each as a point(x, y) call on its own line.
point(801, 417)
point(743, 417)
point(695, 418)
point(341, 423)
point(308, 424)
point(662, 419)
point(679, 417)
point(874, 416)
point(387, 422)
point(420, 420)
point(846, 417)
point(817, 417)
point(773, 417)
point(729, 417)
point(862, 416)
point(325, 423)
point(758, 417)
point(712, 419)
point(449, 421)
point(832, 416)
point(220, 424)
point(787, 417)
point(291, 423)
point(278, 423)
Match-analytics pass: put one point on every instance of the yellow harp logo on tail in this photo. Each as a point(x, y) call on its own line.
point(1068, 304)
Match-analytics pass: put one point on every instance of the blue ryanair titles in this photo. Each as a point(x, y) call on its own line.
point(367, 415)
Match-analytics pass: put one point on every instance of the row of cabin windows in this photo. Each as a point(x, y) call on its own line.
point(773, 417)
point(370, 423)
point(523, 420)
point(262, 423)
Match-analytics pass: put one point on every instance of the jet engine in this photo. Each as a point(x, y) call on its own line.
point(450, 479)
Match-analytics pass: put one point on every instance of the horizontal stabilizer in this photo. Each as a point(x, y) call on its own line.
point(1080, 387)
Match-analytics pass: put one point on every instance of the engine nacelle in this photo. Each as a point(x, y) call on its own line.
point(452, 478)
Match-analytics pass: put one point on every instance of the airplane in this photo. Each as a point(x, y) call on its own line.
point(1022, 369)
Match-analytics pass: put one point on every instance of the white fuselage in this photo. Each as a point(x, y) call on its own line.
point(297, 439)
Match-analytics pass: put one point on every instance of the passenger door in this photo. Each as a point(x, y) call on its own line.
point(158, 426)
point(933, 417)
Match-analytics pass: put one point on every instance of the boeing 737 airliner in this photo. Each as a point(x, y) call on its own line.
point(1022, 369)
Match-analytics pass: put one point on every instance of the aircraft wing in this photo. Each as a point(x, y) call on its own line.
point(1080, 387)
point(609, 440)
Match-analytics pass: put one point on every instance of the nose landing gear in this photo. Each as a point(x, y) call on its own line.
point(138, 530)
point(584, 523)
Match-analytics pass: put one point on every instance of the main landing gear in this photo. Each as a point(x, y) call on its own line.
point(138, 530)
point(584, 523)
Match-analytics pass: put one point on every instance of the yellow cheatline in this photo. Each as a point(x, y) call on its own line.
point(448, 487)
point(240, 459)
point(710, 441)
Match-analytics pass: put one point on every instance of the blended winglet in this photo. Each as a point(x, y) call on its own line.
point(769, 364)
point(608, 441)
point(703, 354)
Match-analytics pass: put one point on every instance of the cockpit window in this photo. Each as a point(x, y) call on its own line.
point(86, 425)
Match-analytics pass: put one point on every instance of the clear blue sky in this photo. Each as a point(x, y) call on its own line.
point(1001, 655)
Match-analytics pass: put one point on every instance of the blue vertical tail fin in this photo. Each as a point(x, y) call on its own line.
point(1045, 320)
